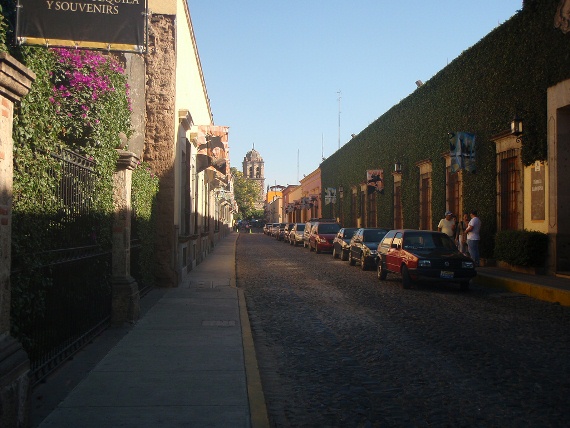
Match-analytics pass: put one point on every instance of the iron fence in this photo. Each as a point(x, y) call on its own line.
point(61, 294)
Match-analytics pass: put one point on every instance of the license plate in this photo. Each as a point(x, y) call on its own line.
point(446, 274)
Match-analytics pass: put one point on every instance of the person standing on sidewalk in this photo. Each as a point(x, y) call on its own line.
point(473, 237)
point(447, 224)
point(460, 235)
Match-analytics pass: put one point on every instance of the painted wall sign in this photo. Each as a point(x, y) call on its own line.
point(537, 193)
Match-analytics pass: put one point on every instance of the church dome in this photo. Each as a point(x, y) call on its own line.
point(253, 155)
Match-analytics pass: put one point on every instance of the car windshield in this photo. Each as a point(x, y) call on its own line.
point(374, 235)
point(426, 240)
point(328, 228)
point(348, 233)
point(300, 227)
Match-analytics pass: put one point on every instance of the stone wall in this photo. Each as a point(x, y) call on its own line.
point(160, 137)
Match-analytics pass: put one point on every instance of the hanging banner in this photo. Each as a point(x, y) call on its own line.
point(212, 144)
point(330, 195)
point(462, 152)
point(375, 180)
point(118, 25)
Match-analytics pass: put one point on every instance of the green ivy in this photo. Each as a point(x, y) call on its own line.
point(521, 247)
point(78, 101)
point(505, 74)
point(145, 190)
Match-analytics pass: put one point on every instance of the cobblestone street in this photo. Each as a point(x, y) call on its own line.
point(338, 348)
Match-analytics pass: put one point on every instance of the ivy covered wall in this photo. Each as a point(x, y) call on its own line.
point(507, 73)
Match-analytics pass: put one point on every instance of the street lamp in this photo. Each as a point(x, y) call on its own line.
point(397, 167)
point(516, 126)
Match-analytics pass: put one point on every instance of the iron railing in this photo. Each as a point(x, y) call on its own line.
point(61, 294)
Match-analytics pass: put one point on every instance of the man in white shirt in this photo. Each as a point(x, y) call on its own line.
point(473, 237)
point(447, 224)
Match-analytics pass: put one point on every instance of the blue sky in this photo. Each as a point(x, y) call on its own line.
point(274, 70)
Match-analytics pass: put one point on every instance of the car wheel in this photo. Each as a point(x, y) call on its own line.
point(317, 249)
point(464, 286)
point(363, 262)
point(344, 255)
point(406, 280)
point(351, 261)
point(335, 254)
point(381, 271)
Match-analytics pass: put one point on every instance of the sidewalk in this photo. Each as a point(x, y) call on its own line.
point(542, 287)
point(188, 362)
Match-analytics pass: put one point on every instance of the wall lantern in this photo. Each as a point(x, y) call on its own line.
point(340, 191)
point(397, 167)
point(516, 126)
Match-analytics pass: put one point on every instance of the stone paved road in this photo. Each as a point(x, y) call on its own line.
point(338, 348)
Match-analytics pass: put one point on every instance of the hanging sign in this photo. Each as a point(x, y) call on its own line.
point(462, 151)
point(330, 195)
point(375, 180)
point(118, 25)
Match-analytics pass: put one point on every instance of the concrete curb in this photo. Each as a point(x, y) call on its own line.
point(536, 291)
point(257, 405)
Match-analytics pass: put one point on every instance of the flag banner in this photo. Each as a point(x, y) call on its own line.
point(462, 152)
point(212, 145)
point(330, 195)
point(110, 25)
point(375, 180)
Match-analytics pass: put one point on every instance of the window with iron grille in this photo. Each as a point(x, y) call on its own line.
point(425, 201)
point(453, 183)
point(509, 189)
point(398, 221)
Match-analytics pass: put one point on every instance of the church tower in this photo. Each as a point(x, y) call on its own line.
point(254, 169)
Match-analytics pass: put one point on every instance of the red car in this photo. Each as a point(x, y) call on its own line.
point(322, 236)
point(423, 255)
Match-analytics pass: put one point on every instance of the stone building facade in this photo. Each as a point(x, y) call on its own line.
point(194, 207)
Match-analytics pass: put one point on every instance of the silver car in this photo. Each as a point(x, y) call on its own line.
point(296, 234)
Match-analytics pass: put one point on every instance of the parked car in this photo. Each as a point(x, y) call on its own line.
point(363, 247)
point(423, 255)
point(309, 227)
point(277, 230)
point(269, 228)
point(322, 236)
point(284, 232)
point(341, 242)
point(296, 234)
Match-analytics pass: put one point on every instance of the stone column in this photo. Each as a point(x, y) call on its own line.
point(15, 392)
point(125, 290)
